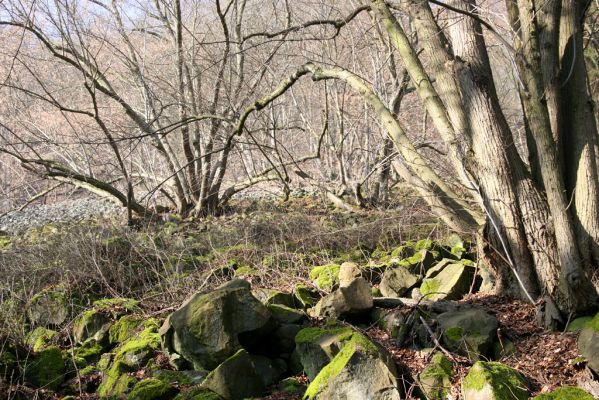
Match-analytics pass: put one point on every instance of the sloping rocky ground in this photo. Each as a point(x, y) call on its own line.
point(412, 322)
point(66, 212)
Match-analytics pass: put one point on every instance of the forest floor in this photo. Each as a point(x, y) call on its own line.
point(178, 258)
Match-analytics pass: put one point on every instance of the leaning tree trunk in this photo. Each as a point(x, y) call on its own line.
point(533, 236)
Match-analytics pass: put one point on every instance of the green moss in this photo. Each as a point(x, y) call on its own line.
point(198, 393)
point(151, 389)
point(424, 244)
point(579, 324)
point(325, 276)
point(123, 329)
point(354, 341)
point(116, 381)
point(594, 323)
point(430, 287)
point(435, 380)
point(455, 334)
point(565, 393)
point(47, 369)
point(117, 305)
point(331, 370)
point(90, 351)
point(402, 252)
point(40, 338)
point(291, 385)
point(505, 382)
point(5, 243)
point(245, 270)
point(312, 335)
point(305, 296)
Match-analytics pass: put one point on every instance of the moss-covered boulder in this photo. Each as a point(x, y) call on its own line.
point(316, 347)
point(90, 351)
point(209, 328)
point(40, 338)
point(326, 277)
point(565, 393)
point(470, 332)
point(435, 379)
point(420, 262)
point(46, 369)
point(348, 301)
point(152, 389)
point(130, 356)
point(272, 296)
point(50, 307)
point(360, 370)
point(398, 281)
point(452, 283)
point(304, 296)
point(404, 251)
point(123, 329)
point(91, 324)
point(178, 378)
point(236, 378)
point(493, 381)
point(588, 343)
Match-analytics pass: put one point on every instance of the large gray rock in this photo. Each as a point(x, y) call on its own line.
point(211, 327)
point(316, 347)
point(493, 381)
point(588, 343)
point(398, 281)
point(353, 299)
point(361, 370)
point(470, 332)
point(48, 308)
point(348, 272)
point(451, 283)
point(236, 378)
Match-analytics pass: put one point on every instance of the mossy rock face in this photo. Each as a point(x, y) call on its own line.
point(47, 368)
point(452, 283)
point(186, 378)
point(49, 307)
point(493, 381)
point(316, 347)
point(435, 379)
point(198, 393)
point(211, 327)
point(420, 262)
point(588, 343)
point(130, 356)
point(271, 296)
point(304, 296)
point(360, 370)
point(286, 315)
point(123, 329)
point(40, 338)
point(90, 351)
point(152, 389)
point(565, 393)
point(91, 324)
point(469, 332)
point(403, 251)
point(326, 277)
point(236, 378)
point(579, 324)
point(398, 281)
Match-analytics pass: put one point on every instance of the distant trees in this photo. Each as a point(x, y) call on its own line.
point(184, 93)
